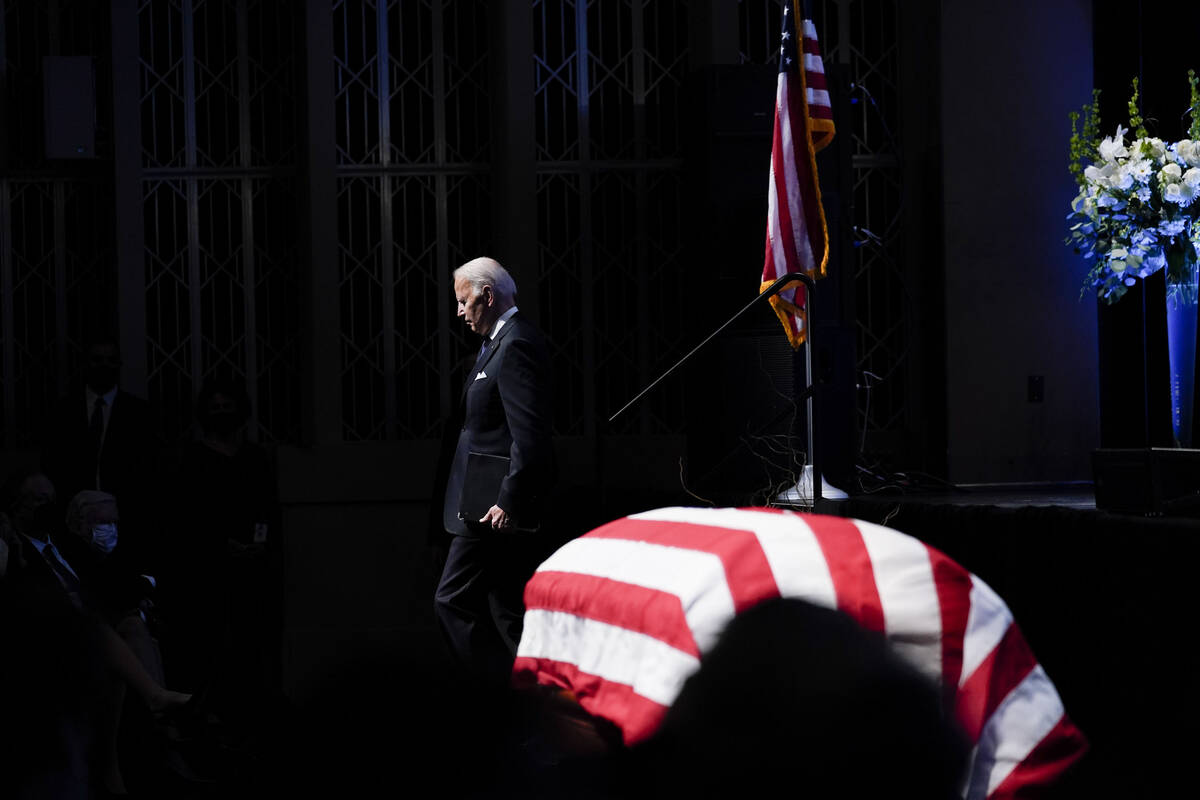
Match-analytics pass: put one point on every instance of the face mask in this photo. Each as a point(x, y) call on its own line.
point(104, 537)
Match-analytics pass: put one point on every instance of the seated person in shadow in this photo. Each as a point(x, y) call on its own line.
point(30, 503)
point(115, 589)
point(225, 576)
point(51, 669)
point(48, 609)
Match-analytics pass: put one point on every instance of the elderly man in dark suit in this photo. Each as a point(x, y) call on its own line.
point(497, 481)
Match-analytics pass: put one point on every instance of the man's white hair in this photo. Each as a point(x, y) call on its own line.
point(485, 271)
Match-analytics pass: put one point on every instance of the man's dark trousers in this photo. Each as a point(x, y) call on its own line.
point(479, 601)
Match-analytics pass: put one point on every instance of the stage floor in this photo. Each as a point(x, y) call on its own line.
point(1078, 495)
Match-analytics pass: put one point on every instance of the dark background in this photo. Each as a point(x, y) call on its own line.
point(280, 190)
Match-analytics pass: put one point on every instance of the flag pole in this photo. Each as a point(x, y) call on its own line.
point(816, 478)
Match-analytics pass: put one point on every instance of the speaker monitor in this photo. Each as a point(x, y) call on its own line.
point(1153, 481)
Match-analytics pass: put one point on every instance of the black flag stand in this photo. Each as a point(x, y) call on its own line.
point(808, 395)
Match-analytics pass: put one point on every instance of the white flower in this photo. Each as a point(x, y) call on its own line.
point(1151, 148)
point(1171, 173)
point(1189, 152)
point(1179, 193)
point(1123, 180)
point(1192, 177)
point(1113, 147)
point(1100, 176)
point(1141, 169)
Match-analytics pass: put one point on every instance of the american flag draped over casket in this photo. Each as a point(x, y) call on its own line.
point(622, 616)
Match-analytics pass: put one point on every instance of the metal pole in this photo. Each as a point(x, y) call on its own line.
point(772, 290)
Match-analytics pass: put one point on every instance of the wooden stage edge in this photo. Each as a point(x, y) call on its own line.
point(1079, 495)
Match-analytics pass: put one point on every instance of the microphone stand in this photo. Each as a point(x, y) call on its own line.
point(810, 387)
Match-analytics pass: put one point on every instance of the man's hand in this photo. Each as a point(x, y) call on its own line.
point(238, 550)
point(497, 517)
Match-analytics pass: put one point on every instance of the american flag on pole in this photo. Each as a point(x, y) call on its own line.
point(622, 616)
point(797, 237)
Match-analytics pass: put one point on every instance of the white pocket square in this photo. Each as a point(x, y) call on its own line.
point(481, 375)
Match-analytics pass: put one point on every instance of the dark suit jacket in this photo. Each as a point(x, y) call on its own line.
point(38, 575)
point(128, 443)
point(506, 409)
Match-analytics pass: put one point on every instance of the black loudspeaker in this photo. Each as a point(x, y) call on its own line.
point(740, 404)
point(1151, 481)
point(69, 103)
point(731, 111)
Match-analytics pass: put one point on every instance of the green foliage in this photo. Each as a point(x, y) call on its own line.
point(1135, 115)
point(1084, 143)
point(1194, 105)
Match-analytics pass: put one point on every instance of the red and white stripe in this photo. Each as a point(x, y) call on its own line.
point(816, 91)
point(622, 616)
point(790, 248)
point(797, 238)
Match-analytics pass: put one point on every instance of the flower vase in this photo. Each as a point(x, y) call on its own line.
point(1181, 349)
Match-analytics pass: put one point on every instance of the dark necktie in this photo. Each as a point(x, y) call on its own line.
point(96, 425)
point(479, 359)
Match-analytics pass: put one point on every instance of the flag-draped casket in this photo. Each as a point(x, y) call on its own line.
point(622, 616)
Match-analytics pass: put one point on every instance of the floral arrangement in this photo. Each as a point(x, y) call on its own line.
point(1137, 207)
